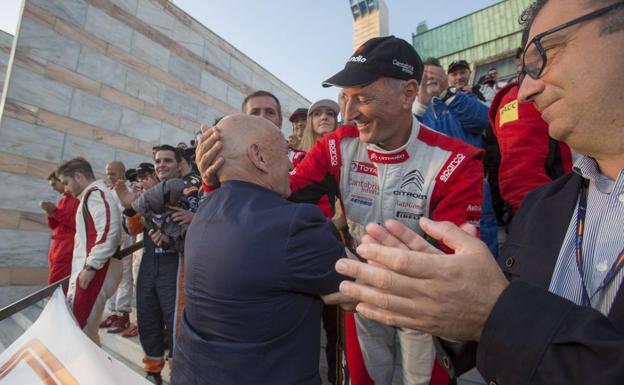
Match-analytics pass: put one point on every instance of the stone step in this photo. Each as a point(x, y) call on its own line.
point(128, 351)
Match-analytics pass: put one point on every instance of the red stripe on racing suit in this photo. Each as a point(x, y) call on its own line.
point(431, 175)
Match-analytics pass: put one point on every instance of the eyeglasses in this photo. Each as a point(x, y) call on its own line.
point(534, 60)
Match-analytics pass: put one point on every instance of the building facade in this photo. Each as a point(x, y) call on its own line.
point(106, 80)
point(486, 38)
point(370, 19)
point(6, 41)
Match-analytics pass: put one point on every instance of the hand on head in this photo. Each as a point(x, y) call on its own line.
point(253, 149)
point(409, 283)
point(207, 155)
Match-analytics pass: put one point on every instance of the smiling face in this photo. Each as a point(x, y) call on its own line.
point(459, 77)
point(376, 109)
point(167, 167)
point(579, 93)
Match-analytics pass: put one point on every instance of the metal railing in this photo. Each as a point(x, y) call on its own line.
point(45, 292)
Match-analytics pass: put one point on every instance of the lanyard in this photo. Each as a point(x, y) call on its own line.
point(580, 229)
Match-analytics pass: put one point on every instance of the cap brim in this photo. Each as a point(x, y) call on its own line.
point(351, 77)
point(453, 68)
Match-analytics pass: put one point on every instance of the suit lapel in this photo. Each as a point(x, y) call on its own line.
point(554, 212)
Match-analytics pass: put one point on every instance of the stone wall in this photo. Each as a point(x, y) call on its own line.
point(107, 79)
point(6, 40)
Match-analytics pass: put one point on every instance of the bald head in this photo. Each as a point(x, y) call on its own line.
point(115, 171)
point(254, 151)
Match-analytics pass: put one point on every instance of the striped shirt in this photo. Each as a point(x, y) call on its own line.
point(603, 240)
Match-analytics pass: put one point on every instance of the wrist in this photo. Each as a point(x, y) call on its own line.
point(90, 268)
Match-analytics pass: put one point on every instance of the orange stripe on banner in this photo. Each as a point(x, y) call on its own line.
point(53, 373)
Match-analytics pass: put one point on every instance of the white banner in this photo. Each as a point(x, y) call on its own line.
point(55, 351)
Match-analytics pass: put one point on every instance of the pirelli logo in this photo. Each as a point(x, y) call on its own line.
point(448, 171)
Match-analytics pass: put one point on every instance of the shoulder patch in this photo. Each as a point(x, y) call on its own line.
point(508, 113)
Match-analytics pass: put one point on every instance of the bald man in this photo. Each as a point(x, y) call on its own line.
point(115, 171)
point(120, 303)
point(254, 301)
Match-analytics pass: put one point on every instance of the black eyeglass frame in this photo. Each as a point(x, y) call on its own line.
point(538, 44)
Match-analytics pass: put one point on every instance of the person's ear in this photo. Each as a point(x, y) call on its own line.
point(258, 157)
point(410, 92)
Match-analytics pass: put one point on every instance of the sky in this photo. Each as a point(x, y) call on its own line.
point(302, 42)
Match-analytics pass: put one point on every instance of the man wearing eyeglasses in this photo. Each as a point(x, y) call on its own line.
point(561, 318)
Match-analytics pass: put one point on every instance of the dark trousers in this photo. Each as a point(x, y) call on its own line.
point(331, 324)
point(156, 294)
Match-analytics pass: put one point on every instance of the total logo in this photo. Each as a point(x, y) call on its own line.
point(364, 168)
point(358, 59)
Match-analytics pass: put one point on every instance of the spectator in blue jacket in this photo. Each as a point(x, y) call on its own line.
point(461, 115)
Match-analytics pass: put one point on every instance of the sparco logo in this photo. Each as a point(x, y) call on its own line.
point(452, 166)
point(404, 66)
point(364, 168)
point(413, 177)
point(333, 154)
point(358, 59)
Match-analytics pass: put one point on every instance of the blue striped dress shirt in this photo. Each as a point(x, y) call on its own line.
point(603, 240)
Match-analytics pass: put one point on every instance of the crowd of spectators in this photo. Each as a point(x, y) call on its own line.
point(241, 227)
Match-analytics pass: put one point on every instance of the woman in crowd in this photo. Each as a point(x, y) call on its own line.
point(322, 118)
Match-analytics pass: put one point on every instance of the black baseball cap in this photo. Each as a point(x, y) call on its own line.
point(144, 168)
point(457, 64)
point(131, 174)
point(298, 112)
point(386, 56)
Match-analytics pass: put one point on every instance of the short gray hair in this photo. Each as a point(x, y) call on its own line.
point(394, 84)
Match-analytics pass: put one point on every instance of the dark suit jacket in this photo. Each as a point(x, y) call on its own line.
point(255, 265)
point(533, 336)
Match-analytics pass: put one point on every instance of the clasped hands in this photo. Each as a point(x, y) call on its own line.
point(409, 283)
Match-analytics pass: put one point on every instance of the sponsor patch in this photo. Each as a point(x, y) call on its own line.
point(364, 186)
point(413, 177)
point(475, 208)
point(378, 157)
point(360, 200)
point(452, 165)
point(364, 168)
point(358, 59)
point(409, 194)
point(411, 204)
point(508, 113)
point(404, 66)
point(333, 153)
point(406, 215)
